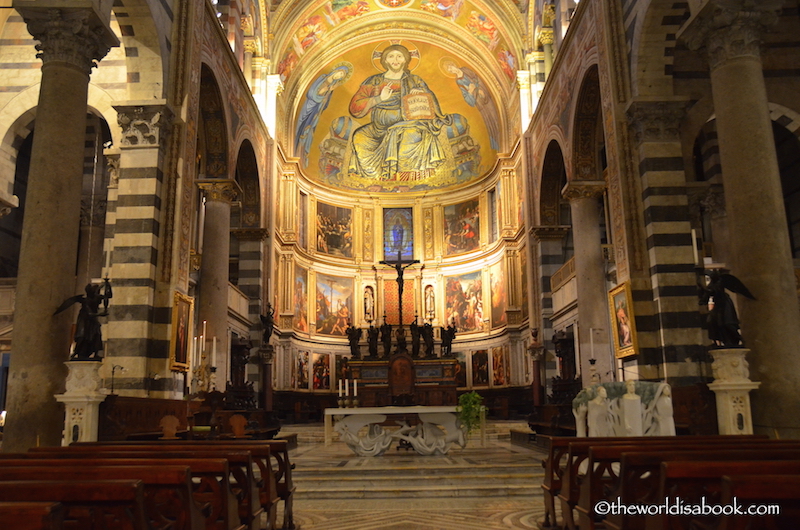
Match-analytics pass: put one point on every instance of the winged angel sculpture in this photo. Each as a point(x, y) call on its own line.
point(723, 322)
point(88, 339)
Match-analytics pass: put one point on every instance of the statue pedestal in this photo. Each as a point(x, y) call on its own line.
point(732, 386)
point(82, 402)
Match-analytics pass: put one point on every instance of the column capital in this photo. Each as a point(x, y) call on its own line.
point(656, 121)
point(523, 80)
point(250, 234)
point(220, 190)
point(549, 233)
point(144, 125)
point(78, 37)
point(583, 189)
point(730, 29)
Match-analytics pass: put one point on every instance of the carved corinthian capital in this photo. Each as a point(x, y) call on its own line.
point(75, 37)
point(729, 29)
point(656, 121)
point(143, 125)
point(221, 190)
point(583, 189)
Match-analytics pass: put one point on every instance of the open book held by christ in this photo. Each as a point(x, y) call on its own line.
point(418, 107)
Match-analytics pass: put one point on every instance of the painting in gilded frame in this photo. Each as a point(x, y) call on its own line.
point(620, 304)
point(334, 304)
point(321, 371)
point(302, 370)
point(398, 234)
point(334, 230)
point(464, 302)
point(182, 310)
point(499, 364)
point(461, 369)
point(480, 368)
point(462, 227)
point(300, 299)
point(497, 282)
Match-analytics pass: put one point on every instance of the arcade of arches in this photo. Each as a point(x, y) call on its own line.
point(558, 169)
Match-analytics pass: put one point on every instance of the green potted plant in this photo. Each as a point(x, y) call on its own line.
point(469, 410)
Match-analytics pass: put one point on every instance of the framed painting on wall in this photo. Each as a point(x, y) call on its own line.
point(182, 310)
point(620, 304)
point(398, 234)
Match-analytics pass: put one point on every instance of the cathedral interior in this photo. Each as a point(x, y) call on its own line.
point(552, 179)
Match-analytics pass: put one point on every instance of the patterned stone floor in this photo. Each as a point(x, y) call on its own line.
point(416, 513)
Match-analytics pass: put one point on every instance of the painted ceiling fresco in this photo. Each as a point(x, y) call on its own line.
point(396, 116)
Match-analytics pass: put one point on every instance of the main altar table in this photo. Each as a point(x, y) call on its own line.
point(343, 412)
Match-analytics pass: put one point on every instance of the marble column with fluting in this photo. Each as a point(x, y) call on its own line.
point(593, 321)
point(730, 33)
point(69, 44)
point(214, 269)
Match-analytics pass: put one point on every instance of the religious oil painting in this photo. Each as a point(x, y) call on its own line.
point(342, 370)
point(461, 369)
point(398, 234)
point(181, 331)
point(300, 299)
point(523, 268)
point(464, 302)
point(334, 304)
point(462, 227)
point(321, 371)
point(302, 370)
point(394, 116)
point(499, 362)
point(620, 304)
point(334, 230)
point(497, 283)
point(480, 368)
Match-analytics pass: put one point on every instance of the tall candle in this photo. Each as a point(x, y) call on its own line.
point(355, 387)
point(214, 352)
point(694, 246)
point(340, 388)
point(346, 387)
point(195, 359)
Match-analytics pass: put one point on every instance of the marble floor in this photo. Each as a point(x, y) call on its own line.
point(425, 509)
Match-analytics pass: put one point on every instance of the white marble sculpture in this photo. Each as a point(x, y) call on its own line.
point(428, 438)
point(632, 408)
point(376, 441)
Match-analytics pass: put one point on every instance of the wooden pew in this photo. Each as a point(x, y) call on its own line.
point(210, 480)
point(631, 472)
point(240, 463)
point(691, 481)
point(168, 497)
point(555, 463)
point(88, 505)
point(278, 450)
point(578, 490)
point(762, 489)
point(32, 515)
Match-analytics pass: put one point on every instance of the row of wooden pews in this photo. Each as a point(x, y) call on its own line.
point(581, 472)
point(169, 485)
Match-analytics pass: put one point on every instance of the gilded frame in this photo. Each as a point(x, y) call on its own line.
point(620, 305)
point(182, 318)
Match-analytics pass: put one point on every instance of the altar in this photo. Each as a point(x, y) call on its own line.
point(428, 430)
point(404, 380)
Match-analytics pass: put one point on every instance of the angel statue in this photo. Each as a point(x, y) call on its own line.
point(723, 323)
point(88, 339)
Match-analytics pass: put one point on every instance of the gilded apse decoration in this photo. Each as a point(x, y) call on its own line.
point(334, 304)
point(388, 120)
point(462, 227)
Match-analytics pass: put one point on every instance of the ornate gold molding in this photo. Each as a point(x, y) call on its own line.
point(222, 190)
point(583, 189)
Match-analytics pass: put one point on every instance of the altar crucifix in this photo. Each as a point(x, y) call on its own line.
point(400, 265)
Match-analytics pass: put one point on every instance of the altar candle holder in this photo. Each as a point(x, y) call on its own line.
point(355, 402)
point(340, 402)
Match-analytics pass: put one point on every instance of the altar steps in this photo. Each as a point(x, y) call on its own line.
point(423, 480)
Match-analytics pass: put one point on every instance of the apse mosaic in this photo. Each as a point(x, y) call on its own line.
point(462, 227)
point(398, 234)
point(334, 304)
point(397, 116)
point(464, 301)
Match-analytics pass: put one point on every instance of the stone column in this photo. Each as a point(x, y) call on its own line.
point(214, 267)
point(732, 386)
point(730, 32)
point(70, 43)
point(593, 321)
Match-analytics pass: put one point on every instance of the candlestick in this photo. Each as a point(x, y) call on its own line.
point(340, 388)
point(214, 352)
point(694, 246)
point(355, 387)
point(346, 387)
